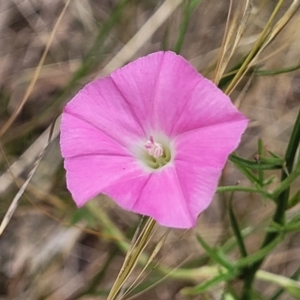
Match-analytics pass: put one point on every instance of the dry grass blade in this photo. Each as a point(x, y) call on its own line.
point(241, 27)
point(269, 38)
point(28, 157)
point(223, 46)
point(157, 248)
point(177, 273)
point(283, 20)
point(150, 260)
point(232, 36)
point(253, 53)
point(142, 36)
point(122, 57)
point(132, 258)
point(137, 234)
point(36, 73)
point(13, 206)
point(279, 26)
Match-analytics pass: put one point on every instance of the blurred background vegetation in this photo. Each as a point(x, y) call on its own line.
point(49, 50)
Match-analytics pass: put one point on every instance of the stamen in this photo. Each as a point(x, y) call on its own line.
point(153, 148)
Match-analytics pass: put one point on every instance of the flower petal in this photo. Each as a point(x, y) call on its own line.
point(101, 105)
point(199, 184)
point(163, 199)
point(200, 157)
point(79, 138)
point(209, 146)
point(207, 106)
point(157, 87)
point(87, 176)
point(148, 195)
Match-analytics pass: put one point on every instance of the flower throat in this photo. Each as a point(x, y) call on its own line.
point(157, 155)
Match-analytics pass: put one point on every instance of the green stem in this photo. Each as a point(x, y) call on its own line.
point(248, 273)
point(236, 229)
point(237, 188)
point(260, 153)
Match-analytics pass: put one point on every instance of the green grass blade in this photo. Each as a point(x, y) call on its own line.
point(187, 12)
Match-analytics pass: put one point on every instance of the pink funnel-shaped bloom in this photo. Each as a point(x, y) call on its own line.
point(154, 136)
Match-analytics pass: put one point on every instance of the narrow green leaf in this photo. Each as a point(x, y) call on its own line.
point(291, 286)
point(251, 177)
point(281, 291)
point(276, 72)
point(292, 225)
point(294, 200)
point(285, 183)
point(236, 230)
point(260, 254)
point(238, 188)
point(253, 164)
point(274, 154)
point(222, 260)
point(209, 284)
point(269, 180)
point(275, 227)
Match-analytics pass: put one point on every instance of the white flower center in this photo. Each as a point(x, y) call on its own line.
point(156, 155)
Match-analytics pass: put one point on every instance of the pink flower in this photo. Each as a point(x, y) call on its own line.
point(154, 136)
